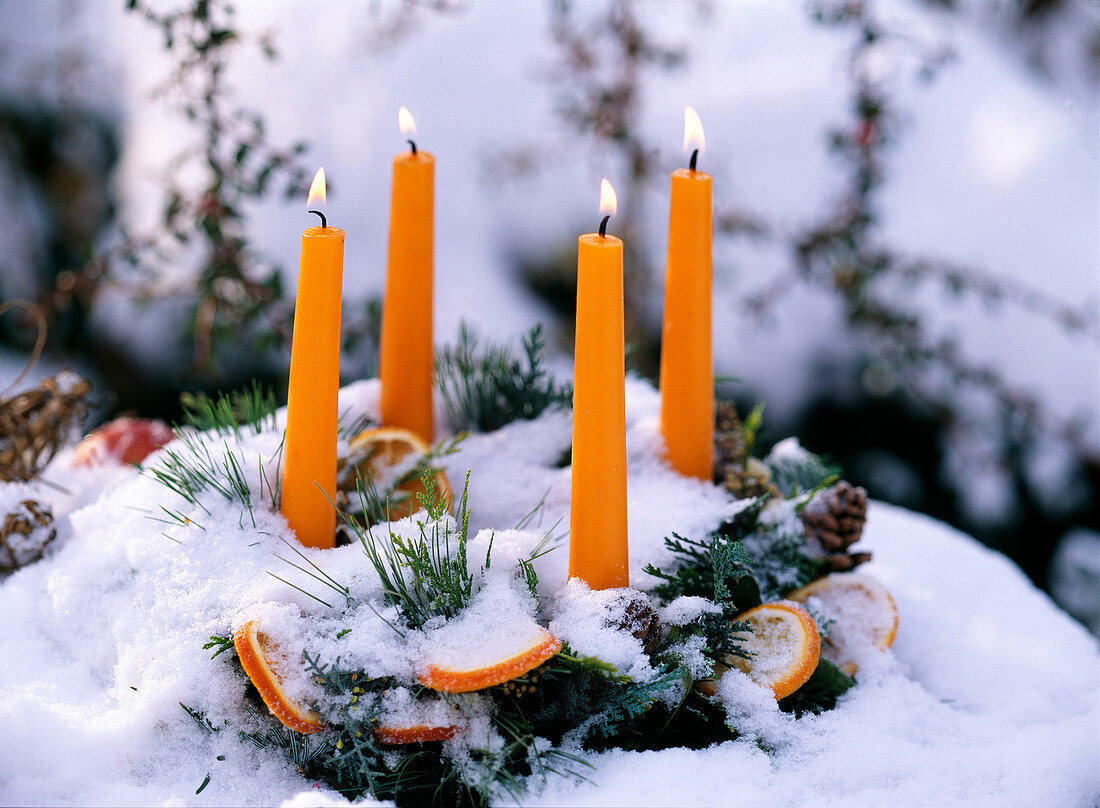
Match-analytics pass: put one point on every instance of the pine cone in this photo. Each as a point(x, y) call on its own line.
point(729, 441)
point(26, 532)
point(835, 519)
point(742, 476)
point(636, 615)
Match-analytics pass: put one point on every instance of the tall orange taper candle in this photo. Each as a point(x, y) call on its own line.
point(309, 453)
point(405, 356)
point(687, 370)
point(597, 522)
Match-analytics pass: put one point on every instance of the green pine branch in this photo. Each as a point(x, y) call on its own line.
point(227, 414)
point(484, 388)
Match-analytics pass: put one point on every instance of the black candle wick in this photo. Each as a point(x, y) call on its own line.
point(603, 226)
point(324, 221)
point(694, 157)
point(412, 145)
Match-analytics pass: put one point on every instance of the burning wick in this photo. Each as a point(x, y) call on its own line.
point(603, 226)
point(694, 157)
point(412, 145)
point(324, 221)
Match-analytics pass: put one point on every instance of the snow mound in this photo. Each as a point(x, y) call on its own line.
point(989, 696)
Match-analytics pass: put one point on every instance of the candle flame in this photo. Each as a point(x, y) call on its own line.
point(406, 122)
point(317, 189)
point(609, 202)
point(693, 130)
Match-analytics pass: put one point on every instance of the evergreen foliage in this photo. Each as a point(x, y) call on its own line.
point(427, 576)
point(193, 468)
point(486, 388)
point(824, 687)
point(226, 414)
point(804, 475)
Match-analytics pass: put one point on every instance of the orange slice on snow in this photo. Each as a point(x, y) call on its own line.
point(785, 645)
point(378, 454)
point(257, 654)
point(418, 733)
point(454, 666)
point(864, 616)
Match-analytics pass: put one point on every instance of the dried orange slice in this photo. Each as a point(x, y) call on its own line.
point(864, 616)
point(419, 733)
point(259, 658)
point(785, 645)
point(452, 668)
point(381, 454)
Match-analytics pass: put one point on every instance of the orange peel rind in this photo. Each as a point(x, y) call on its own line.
point(255, 652)
point(782, 628)
point(377, 451)
point(863, 611)
point(785, 644)
point(454, 680)
point(419, 733)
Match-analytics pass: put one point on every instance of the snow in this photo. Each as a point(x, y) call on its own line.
point(988, 697)
point(497, 626)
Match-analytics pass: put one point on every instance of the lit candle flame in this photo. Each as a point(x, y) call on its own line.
point(317, 189)
point(693, 131)
point(609, 203)
point(406, 122)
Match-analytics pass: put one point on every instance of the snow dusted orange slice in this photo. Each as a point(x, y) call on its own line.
point(259, 658)
point(864, 616)
point(476, 671)
point(381, 453)
point(493, 640)
point(785, 645)
point(418, 733)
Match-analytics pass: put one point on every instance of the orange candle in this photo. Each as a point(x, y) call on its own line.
point(597, 522)
point(309, 452)
point(687, 370)
point(405, 354)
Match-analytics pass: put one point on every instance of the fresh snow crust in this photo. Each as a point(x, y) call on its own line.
point(990, 696)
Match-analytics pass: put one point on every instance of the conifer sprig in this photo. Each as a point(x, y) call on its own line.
point(484, 388)
point(426, 576)
point(227, 414)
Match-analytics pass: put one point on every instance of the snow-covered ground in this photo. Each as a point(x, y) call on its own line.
point(990, 696)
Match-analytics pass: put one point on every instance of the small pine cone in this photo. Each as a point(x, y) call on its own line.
point(835, 519)
point(636, 615)
point(729, 441)
point(24, 535)
point(743, 477)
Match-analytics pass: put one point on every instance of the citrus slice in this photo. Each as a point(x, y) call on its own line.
point(864, 616)
point(382, 455)
point(122, 441)
point(453, 676)
point(785, 645)
point(418, 733)
point(259, 658)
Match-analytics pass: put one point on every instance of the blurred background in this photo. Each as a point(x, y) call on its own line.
point(907, 201)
